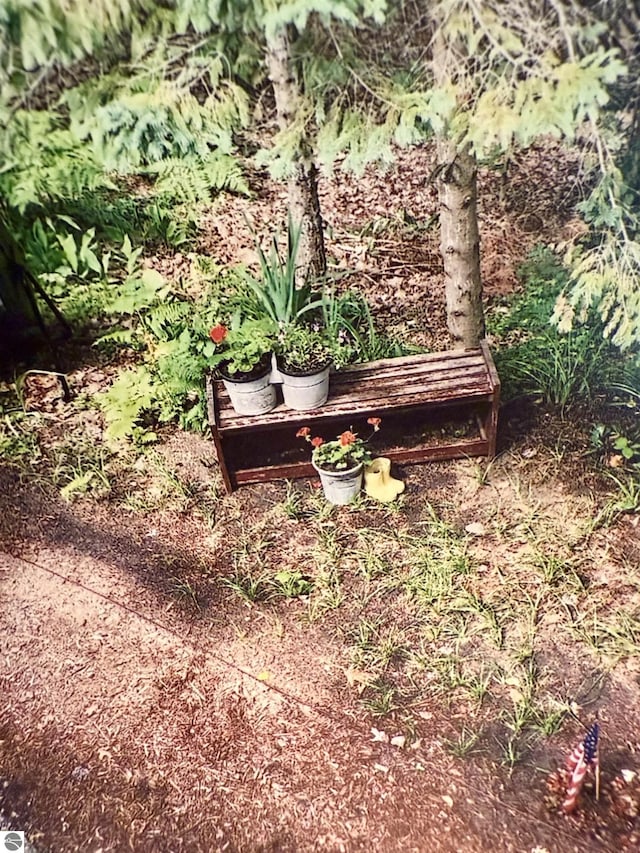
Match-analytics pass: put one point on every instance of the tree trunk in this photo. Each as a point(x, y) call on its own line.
point(459, 236)
point(302, 189)
point(460, 244)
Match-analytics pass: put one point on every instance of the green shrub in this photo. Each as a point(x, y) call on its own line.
point(532, 357)
point(560, 369)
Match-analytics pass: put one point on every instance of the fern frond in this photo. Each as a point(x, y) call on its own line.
point(194, 179)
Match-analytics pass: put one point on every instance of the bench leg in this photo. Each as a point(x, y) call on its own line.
point(228, 477)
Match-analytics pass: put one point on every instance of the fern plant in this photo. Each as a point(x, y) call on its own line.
point(192, 179)
point(171, 333)
point(43, 162)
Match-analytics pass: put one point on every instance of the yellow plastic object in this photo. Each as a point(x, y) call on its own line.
point(378, 482)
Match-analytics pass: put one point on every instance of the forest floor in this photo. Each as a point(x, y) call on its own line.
point(186, 670)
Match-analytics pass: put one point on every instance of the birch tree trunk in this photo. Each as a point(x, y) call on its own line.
point(459, 235)
point(460, 244)
point(302, 189)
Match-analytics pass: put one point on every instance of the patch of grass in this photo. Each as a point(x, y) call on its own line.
point(512, 751)
point(208, 503)
point(174, 487)
point(19, 444)
point(328, 551)
point(548, 722)
point(437, 558)
point(560, 369)
point(327, 594)
point(378, 560)
point(81, 468)
point(446, 672)
point(371, 563)
point(614, 636)
point(184, 591)
point(625, 500)
point(376, 645)
point(251, 546)
point(293, 505)
point(553, 568)
point(251, 588)
point(380, 699)
point(533, 357)
point(465, 744)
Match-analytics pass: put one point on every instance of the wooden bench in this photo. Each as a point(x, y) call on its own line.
point(436, 406)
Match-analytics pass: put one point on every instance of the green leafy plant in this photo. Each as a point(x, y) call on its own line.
point(302, 349)
point(344, 452)
point(291, 583)
point(192, 179)
point(251, 588)
point(543, 277)
point(130, 395)
point(278, 292)
point(559, 368)
point(610, 441)
point(628, 448)
point(352, 333)
point(244, 348)
point(174, 226)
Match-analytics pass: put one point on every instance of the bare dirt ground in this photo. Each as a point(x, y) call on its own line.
point(147, 706)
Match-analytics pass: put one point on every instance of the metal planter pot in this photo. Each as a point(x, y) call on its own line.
point(341, 487)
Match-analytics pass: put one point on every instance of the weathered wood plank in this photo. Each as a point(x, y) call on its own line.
point(361, 397)
point(420, 360)
point(347, 407)
point(292, 470)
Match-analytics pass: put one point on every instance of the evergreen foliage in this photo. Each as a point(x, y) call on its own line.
point(510, 78)
point(175, 87)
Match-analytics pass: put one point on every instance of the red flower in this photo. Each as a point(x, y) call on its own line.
point(317, 441)
point(375, 423)
point(218, 333)
point(347, 437)
point(303, 432)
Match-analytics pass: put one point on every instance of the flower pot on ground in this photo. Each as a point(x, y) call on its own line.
point(304, 361)
point(341, 487)
point(340, 462)
point(242, 357)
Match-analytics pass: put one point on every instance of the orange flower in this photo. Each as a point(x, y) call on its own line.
point(317, 441)
point(375, 423)
point(218, 333)
point(303, 432)
point(347, 437)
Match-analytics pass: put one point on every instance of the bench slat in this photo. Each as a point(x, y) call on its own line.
point(347, 407)
point(362, 387)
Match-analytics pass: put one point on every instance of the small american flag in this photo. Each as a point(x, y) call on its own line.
point(583, 758)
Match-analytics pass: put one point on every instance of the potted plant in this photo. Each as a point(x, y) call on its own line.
point(242, 357)
point(303, 358)
point(340, 462)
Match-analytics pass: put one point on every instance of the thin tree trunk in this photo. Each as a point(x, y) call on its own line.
point(460, 244)
point(302, 189)
point(459, 235)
